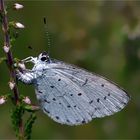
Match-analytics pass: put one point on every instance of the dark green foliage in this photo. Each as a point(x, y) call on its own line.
point(16, 116)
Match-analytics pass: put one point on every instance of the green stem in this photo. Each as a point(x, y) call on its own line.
point(10, 61)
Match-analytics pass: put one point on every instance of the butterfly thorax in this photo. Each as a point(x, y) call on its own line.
point(40, 66)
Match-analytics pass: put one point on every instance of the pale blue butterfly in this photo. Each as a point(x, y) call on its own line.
point(71, 95)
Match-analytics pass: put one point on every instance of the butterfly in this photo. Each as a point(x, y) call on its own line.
point(71, 95)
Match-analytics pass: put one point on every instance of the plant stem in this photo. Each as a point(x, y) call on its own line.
point(10, 60)
point(21, 130)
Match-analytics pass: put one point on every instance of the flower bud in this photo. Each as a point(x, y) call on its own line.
point(22, 65)
point(6, 49)
point(27, 100)
point(19, 25)
point(18, 6)
point(2, 100)
point(11, 85)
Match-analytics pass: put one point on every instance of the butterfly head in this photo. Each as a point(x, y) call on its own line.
point(44, 57)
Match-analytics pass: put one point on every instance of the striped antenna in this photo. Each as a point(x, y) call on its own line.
point(47, 35)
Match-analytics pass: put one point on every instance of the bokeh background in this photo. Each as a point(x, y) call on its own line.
point(100, 36)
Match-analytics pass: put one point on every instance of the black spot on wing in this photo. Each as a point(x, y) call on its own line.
point(77, 120)
point(105, 98)
point(118, 107)
point(59, 79)
point(68, 106)
point(102, 85)
point(46, 101)
point(68, 120)
point(91, 114)
point(79, 94)
point(124, 103)
point(83, 121)
point(98, 100)
point(97, 108)
point(46, 110)
point(91, 102)
point(57, 117)
point(52, 86)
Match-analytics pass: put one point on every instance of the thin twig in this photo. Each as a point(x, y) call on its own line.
point(10, 60)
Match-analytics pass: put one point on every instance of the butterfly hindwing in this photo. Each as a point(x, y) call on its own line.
point(96, 87)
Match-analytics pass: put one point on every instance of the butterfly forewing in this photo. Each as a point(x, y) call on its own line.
point(70, 95)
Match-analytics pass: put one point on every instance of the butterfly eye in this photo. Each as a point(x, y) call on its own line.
point(43, 58)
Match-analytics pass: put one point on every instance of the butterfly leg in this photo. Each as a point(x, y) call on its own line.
point(26, 77)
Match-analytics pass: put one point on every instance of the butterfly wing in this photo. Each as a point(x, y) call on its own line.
point(70, 95)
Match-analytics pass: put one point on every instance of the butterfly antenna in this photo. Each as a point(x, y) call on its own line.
point(47, 35)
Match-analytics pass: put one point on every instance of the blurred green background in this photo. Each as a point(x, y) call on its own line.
point(100, 36)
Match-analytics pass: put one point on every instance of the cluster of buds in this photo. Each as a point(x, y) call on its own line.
point(26, 100)
point(18, 25)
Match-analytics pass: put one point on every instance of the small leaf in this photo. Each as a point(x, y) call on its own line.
point(2, 59)
point(16, 60)
point(11, 23)
point(31, 108)
point(12, 40)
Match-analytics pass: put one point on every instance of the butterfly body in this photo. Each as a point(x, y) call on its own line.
point(71, 95)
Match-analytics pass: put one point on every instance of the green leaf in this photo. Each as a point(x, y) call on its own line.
point(11, 23)
point(16, 60)
point(31, 108)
